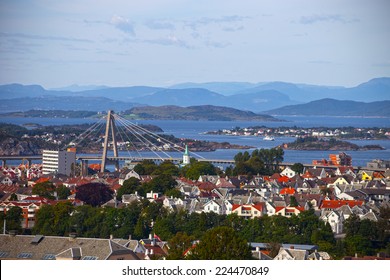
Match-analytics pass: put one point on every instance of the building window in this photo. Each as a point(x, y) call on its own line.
point(24, 256)
point(49, 257)
point(90, 258)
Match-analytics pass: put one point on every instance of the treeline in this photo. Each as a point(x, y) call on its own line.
point(260, 161)
point(140, 218)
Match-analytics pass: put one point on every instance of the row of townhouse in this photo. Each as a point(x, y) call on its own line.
point(41, 247)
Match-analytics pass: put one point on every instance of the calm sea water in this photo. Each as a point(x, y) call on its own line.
point(195, 130)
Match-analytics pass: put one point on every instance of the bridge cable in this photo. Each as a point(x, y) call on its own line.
point(139, 136)
point(84, 134)
point(119, 128)
point(156, 136)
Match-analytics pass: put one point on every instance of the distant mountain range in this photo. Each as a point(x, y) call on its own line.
point(205, 112)
point(332, 107)
point(259, 97)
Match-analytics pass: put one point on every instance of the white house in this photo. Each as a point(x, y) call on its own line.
point(288, 172)
point(335, 219)
point(291, 254)
point(213, 206)
point(249, 210)
point(127, 174)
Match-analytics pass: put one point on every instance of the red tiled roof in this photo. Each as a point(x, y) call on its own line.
point(259, 206)
point(289, 191)
point(308, 175)
point(283, 179)
point(235, 206)
point(207, 186)
point(42, 180)
point(333, 204)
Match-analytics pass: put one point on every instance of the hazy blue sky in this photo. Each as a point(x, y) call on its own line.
point(163, 42)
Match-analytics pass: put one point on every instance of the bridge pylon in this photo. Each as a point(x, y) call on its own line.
point(110, 126)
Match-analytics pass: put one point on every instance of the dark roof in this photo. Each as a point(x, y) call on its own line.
point(64, 247)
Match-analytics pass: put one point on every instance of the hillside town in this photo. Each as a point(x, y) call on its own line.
point(326, 132)
point(335, 196)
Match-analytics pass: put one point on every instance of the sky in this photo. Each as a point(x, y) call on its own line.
point(164, 42)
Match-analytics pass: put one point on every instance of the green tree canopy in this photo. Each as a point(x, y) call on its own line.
point(146, 167)
point(197, 168)
point(130, 186)
point(62, 192)
point(297, 167)
point(221, 243)
point(178, 244)
point(44, 189)
point(264, 161)
point(13, 219)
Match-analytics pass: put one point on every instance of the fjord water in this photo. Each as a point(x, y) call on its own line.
point(196, 129)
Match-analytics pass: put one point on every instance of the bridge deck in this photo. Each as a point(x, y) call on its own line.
point(213, 161)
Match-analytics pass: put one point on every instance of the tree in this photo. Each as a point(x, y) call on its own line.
point(221, 243)
point(13, 197)
point(94, 194)
point(130, 186)
point(62, 192)
point(13, 219)
point(197, 168)
point(167, 167)
point(146, 167)
point(178, 245)
point(174, 193)
point(293, 201)
point(44, 189)
point(161, 184)
point(297, 167)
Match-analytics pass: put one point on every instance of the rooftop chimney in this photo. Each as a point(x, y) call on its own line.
point(72, 236)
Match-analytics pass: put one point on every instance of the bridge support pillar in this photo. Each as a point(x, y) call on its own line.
point(110, 127)
point(84, 167)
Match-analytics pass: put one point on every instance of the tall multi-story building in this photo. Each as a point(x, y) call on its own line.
point(58, 161)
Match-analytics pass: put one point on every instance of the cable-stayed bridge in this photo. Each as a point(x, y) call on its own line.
point(119, 128)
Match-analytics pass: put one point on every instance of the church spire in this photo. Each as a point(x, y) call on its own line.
point(186, 156)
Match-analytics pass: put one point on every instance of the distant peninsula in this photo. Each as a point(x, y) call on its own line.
point(195, 113)
point(332, 107)
point(320, 144)
point(51, 114)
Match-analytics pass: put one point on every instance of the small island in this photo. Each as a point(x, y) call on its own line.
point(320, 144)
point(345, 133)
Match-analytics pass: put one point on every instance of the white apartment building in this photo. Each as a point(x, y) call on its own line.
point(58, 161)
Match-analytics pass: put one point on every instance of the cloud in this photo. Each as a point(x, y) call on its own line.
point(123, 24)
point(169, 41)
point(233, 29)
point(219, 45)
point(41, 37)
point(207, 21)
point(324, 18)
point(160, 24)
